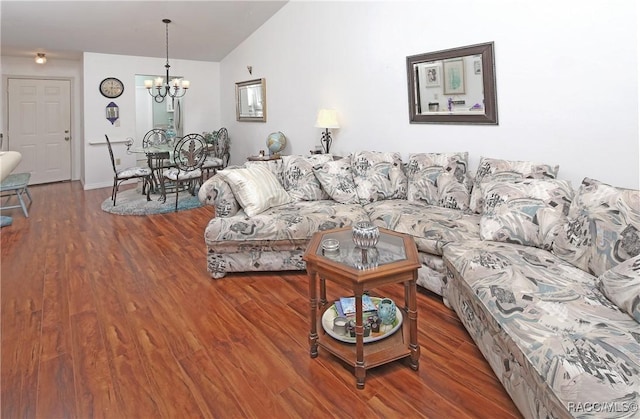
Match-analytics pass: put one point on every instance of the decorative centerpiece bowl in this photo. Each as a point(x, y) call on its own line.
point(365, 234)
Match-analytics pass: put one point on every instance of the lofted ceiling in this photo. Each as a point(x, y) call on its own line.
point(200, 30)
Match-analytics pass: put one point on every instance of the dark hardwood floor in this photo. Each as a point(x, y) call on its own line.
point(116, 316)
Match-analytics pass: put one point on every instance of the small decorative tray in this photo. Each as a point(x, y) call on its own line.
point(385, 330)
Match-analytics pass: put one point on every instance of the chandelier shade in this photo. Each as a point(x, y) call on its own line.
point(159, 89)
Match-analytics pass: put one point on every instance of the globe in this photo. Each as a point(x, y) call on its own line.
point(276, 142)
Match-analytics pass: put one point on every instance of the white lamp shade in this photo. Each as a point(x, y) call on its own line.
point(327, 118)
point(40, 58)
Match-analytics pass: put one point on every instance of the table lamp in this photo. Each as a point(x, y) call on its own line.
point(327, 118)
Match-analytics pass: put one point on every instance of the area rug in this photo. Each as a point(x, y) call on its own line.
point(132, 202)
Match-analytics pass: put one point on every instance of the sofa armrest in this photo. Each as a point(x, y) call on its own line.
point(215, 191)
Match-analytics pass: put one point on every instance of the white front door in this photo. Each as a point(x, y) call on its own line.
point(40, 128)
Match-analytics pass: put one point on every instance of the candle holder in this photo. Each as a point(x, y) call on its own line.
point(331, 248)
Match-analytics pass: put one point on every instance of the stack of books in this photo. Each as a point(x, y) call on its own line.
point(346, 307)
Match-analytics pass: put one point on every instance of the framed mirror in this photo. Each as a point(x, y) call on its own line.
point(453, 86)
point(251, 100)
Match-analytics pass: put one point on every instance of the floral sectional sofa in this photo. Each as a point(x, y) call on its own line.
point(545, 278)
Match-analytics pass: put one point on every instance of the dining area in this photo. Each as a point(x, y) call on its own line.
point(174, 164)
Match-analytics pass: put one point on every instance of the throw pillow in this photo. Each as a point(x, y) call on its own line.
point(621, 285)
point(274, 166)
point(337, 180)
point(490, 170)
point(378, 176)
point(423, 170)
point(524, 212)
point(299, 179)
point(602, 228)
point(451, 192)
point(256, 188)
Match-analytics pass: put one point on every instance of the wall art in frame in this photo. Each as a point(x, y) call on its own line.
point(453, 77)
point(432, 75)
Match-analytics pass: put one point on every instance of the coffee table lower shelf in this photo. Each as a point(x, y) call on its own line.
point(376, 353)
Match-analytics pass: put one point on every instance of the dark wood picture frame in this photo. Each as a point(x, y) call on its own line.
point(488, 116)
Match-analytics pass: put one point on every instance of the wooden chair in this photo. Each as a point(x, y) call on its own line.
point(188, 157)
point(121, 175)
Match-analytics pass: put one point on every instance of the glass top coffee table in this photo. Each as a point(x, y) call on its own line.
point(393, 260)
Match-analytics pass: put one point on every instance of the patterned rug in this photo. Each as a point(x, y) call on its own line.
point(132, 202)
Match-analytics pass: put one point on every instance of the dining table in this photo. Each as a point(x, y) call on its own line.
point(159, 157)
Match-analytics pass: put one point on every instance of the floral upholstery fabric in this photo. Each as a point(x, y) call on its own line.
point(215, 191)
point(423, 172)
point(525, 212)
point(132, 172)
point(506, 170)
point(255, 255)
point(378, 176)
point(550, 335)
point(452, 193)
point(432, 227)
point(602, 229)
point(296, 220)
point(336, 179)
point(299, 179)
point(621, 284)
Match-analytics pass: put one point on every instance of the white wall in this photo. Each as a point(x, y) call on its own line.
point(567, 80)
point(202, 109)
point(54, 69)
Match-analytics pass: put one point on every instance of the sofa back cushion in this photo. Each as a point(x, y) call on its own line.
point(336, 179)
point(621, 285)
point(438, 179)
point(528, 212)
point(602, 227)
point(378, 176)
point(299, 179)
point(506, 170)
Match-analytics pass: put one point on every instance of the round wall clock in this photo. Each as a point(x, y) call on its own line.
point(111, 87)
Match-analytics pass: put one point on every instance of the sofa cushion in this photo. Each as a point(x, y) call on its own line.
point(452, 193)
point(336, 179)
point(299, 179)
point(506, 170)
point(550, 335)
point(525, 211)
point(256, 188)
point(621, 284)
point(602, 227)
point(431, 226)
point(275, 166)
point(378, 176)
point(424, 169)
point(295, 220)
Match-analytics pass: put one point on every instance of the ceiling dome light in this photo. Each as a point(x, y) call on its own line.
point(40, 58)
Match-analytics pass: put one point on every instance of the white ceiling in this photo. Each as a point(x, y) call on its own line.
point(200, 30)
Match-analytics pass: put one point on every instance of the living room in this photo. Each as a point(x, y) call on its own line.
point(349, 56)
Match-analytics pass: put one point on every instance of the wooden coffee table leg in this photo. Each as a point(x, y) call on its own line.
point(410, 298)
point(313, 306)
point(361, 371)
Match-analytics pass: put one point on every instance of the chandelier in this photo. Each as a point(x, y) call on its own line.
point(173, 88)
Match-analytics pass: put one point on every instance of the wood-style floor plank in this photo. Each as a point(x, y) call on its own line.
point(116, 317)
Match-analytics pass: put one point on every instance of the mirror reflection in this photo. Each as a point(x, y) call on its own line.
point(251, 100)
point(150, 114)
point(453, 86)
